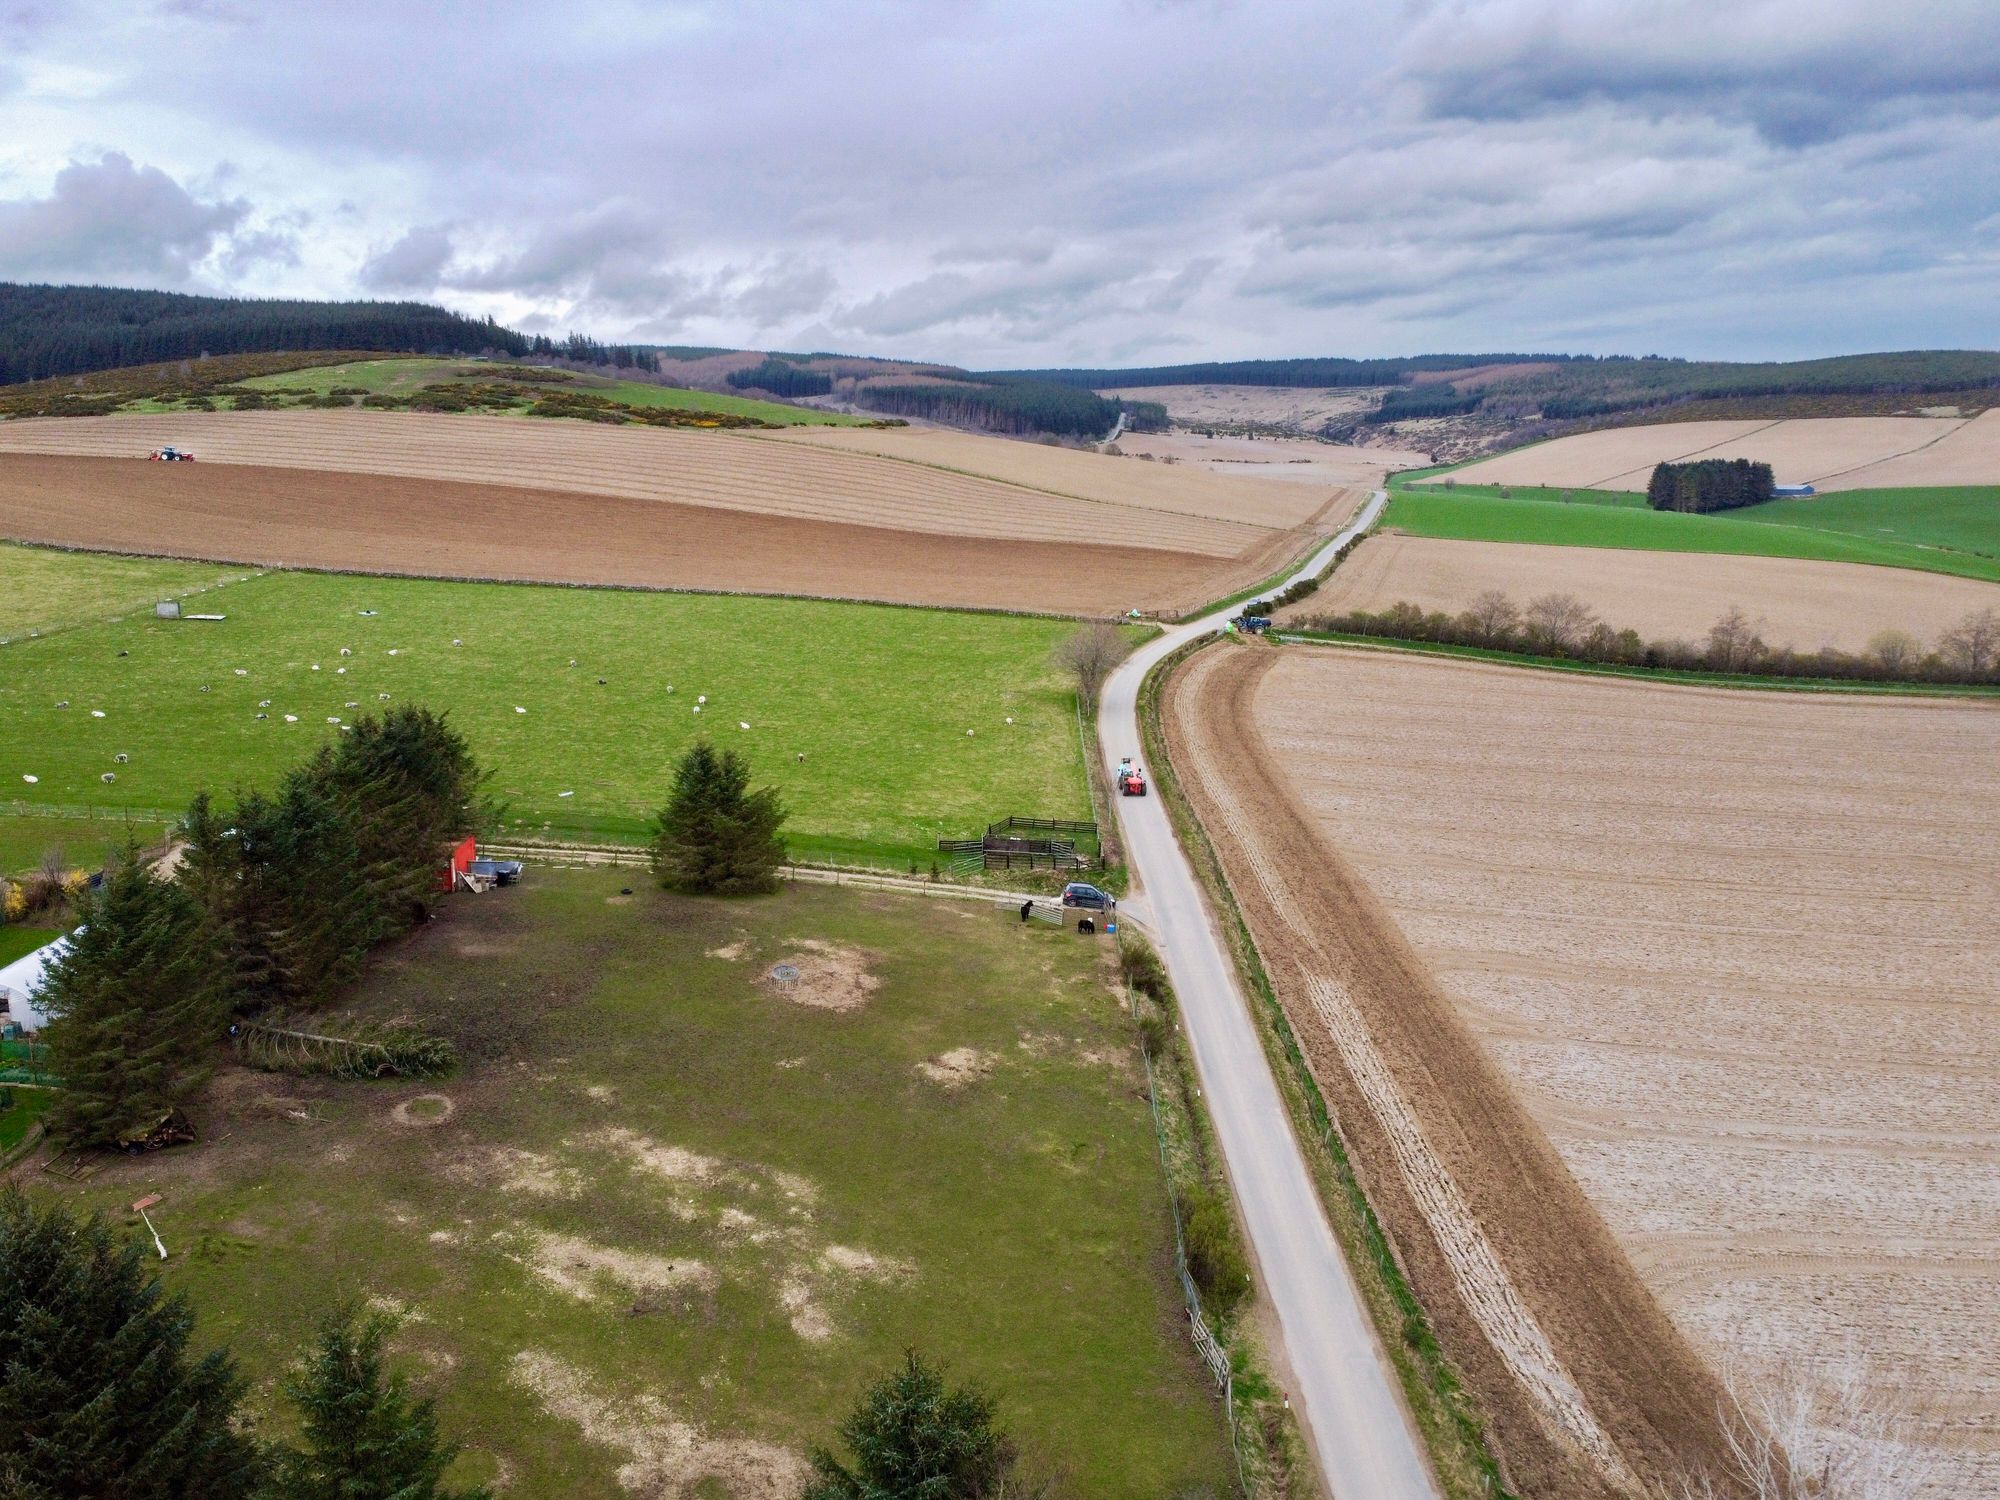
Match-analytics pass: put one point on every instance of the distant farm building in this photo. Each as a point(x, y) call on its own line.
point(1792, 491)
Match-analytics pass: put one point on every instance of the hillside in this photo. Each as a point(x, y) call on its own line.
point(1461, 406)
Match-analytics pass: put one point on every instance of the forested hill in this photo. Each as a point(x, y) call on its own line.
point(73, 330)
point(1313, 373)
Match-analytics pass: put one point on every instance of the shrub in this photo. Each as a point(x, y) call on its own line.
point(1214, 1253)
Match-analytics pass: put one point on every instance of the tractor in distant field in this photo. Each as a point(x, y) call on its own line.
point(1131, 780)
point(171, 455)
point(1252, 624)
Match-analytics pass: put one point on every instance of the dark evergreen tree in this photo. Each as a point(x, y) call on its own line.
point(716, 836)
point(412, 789)
point(135, 1003)
point(367, 1435)
point(104, 1400)
point(913, 1439)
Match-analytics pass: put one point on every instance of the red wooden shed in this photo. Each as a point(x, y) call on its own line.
point(461, 856)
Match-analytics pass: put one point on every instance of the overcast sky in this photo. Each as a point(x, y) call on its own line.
point(1020, 184)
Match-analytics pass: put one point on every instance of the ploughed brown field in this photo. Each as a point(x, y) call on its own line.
point(482, 496)
point(1830, 453)
point(1662, 595)
point(1731, 953)
point(384, 524)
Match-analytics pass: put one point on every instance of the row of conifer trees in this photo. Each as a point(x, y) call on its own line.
point(277, 901)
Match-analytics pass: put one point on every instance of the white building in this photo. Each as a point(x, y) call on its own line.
point(21, 982)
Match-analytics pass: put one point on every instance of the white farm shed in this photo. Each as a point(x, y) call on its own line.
point(21, 982)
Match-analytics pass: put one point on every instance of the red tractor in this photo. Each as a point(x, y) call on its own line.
point(1131, 780)
point(170, 455)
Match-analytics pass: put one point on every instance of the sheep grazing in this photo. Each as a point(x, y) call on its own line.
point(344, 651)
point(31, 780)
point(600, 682)
point(241, 672)
point(340, 671)
point(97, 713)
point(701, 697)
point(63, 704)
point(697, 708)
point(291, 718)
point(315, 666)
point(263, 702)
point(109, 776)
point(120, 758)
point(381, 697)
point(741, 725)
point(455, 642)
point(518, 709)
point(263, 716)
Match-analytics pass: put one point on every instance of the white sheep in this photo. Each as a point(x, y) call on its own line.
point(291, 718)
point(97, 713)
point(518, 709)
point(344, 651)
point(241, 672)
point(31, 780)
point(741, 725)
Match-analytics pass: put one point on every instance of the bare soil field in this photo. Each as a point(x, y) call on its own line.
point(722, 470)
point(1732, 952)
point(1585, 1386)
point(391, 524)
point(1259, 405)
point(1832, 453)
point(1178, 489)
point(1662, 595)
point(1285, 460)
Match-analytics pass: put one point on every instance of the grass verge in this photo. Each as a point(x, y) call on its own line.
point(1450, 1425)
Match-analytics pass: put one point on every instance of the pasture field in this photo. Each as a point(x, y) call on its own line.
point(1730, 952)
point(42, 590)
point(403, 377)
point(27, 833)
point(1832, 453)
point(1662, 595)
point(859, 714)
point(1433, 485)
point(1963, 517)
point(667, 1220)
point(1475, 518)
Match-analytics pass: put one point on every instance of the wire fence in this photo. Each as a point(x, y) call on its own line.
point(1213, 1355)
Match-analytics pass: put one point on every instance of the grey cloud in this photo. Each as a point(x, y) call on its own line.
point(112, 219)
point(1801, 71)
point(414, 263)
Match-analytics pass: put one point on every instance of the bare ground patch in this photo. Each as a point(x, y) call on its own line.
point(958, 1067)
point(830, 977)
point(665, 1455)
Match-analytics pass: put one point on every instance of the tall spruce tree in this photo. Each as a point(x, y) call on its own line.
point(716, 836)
point(367, 1435)
point(103, 1397)
point(914, 1439)
point(135, 1003)
point(412, 789)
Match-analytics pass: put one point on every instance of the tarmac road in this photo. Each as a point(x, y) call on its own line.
point(1342, 1385)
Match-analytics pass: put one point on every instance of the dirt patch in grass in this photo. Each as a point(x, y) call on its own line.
point(580, 1267)
point(424, 1111)
point(665, 1455)
point(731, 951)
point(958, 1067)
point(830, 977)
point(675, 1163)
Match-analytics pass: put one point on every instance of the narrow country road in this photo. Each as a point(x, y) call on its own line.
point(1345, 1390)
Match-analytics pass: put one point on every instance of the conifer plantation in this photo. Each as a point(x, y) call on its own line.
point(716, 836)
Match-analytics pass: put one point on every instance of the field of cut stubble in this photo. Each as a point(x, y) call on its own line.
point(1734, 953)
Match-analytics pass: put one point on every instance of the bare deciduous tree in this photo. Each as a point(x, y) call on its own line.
point(1090, 654)
point(1734, 641)
point(1557, 621)
point(1493, 615)
point(1834, 1431)
point(1973, 644)
point(1896, 650)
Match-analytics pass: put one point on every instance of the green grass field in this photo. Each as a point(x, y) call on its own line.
point(1531, 492)
point(1963, 517)
point(27, 833)
point(661, 1192)
point(19, 1116)
point(403, 377)
point(1476, 518)
point(42, 589)
point(877, 700)
point(17, 941)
